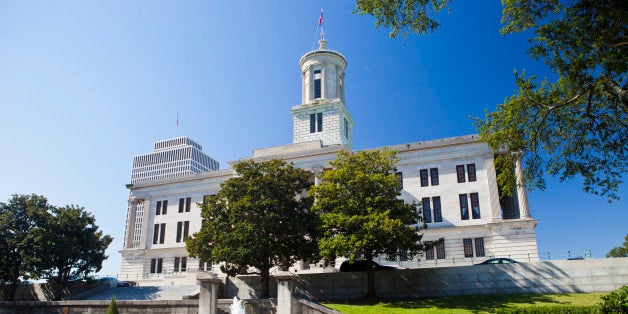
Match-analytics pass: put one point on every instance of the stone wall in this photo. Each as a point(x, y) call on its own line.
point(561, 276)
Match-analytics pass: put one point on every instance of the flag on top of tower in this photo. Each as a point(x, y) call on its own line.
point(320, 19)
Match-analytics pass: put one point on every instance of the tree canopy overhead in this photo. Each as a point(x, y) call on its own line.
point(573, 124)
point(361, 215)
point(259, 218)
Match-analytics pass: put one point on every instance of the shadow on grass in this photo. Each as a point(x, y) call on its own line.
point(473, 303)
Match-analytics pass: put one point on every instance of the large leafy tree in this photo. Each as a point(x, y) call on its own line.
point(361, 215)
point(259, 218)
point(21, 240)
point(573, 124)
point(619, 251)
point(75, 245)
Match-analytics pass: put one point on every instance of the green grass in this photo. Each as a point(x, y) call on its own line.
point(462, 304)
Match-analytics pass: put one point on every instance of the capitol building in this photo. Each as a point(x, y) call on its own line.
point(453, 178)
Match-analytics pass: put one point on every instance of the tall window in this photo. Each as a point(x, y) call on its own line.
point(424, 179)
point(434, 176)
point(479, 247)
point(162, 233)
point(468, 247)
point(427, 212)
point(156, 265)
point(475, 205)
point(440, 250)
point(188, 203)
point(158, 233)
point(183, 228)
point(316, 122)
point(158, 209)
point(429, 253)
point(346, 128)
point(464, 207)
point(180, 264)
point(312, 123)
point(460, 173)
point(181, 204)
point(438, 217)
point(202, 265)
point(317, 83)
point(161, 208)
point(471, 172)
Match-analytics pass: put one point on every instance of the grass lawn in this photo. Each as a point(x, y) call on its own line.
point(462, 304)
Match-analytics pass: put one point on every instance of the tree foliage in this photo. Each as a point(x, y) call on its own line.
point(619, 251)
point(361, 215)
point(573, 124)
point(259, 218)
point(38, 239)
point(113, 306)
point(75, 245)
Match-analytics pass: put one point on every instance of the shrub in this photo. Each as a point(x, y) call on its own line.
point(113, 306)
point(539, 309)
point(616, 301)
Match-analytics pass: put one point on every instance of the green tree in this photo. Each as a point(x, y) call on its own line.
point(575, 124)
point(361, 215)
point(113, 306)
point(75, 246)
point(259, 218)
point(619, 251)
point(21, 239)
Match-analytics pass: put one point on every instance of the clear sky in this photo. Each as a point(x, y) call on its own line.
point(86, 85)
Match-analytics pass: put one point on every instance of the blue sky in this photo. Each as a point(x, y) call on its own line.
point(84, 86)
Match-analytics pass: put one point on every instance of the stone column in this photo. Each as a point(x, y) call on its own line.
point(522, 195)
point(208, 296)
point(324, 80)
point(285, 287)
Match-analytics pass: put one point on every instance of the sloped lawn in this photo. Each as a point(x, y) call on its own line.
point(462, 304)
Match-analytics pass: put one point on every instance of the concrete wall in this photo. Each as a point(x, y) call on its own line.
point(561, 276)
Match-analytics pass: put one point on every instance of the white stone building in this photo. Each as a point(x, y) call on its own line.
point(453, 177)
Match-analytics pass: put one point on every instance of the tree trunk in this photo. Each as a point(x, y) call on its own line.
point(265, 281)
point(370, 275)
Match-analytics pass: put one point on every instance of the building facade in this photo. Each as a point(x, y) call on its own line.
point(454, 179)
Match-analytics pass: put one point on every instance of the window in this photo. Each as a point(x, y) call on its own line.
point(164, 207)
point(423, 174)
point(464, 207)
point(186, 229)
point(316, 122)
point(460, 173)
point(440, 250)
point(156, 265)
point(471, 172)
point(183, 229)
point(180, 264)
point(202, 265)
point(346, 128)
point(434, 176)
point(158, 209)
point(162, 233)
point(181, 204)
point(427, 212)
point(429, 253)
point(179, 230)
point(317, 83)
point(438, 217)
point(399, 176)
point(468, 247)
point(188, 203)
point(312, 123)
point(479, 247)
point(475, 205)
point(158, 233)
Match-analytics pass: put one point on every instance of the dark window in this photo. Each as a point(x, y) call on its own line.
point(464, 207)
point(162, 234)
point(479, 247)
point(440, 250)
point(186, 229)
point(471, 172)
point(399, 180)
point(317, 88)
point(179, 229)
point(176, 264)
point(346, 128)
point(424, 181)
point(181, 203)
point(184, 263)
point(158, 209)
point(156, 234)
point(429, 253)
point(460, 173)
point(160, 263)
point(475, 205)
point(319, 118)
point(164, 207)
point(434, 176)
point(438, 217)
point(427, 212)
point(153, 265)
point(468, 247)
point(188, 203)
point(312, 123)
point(201, 265)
